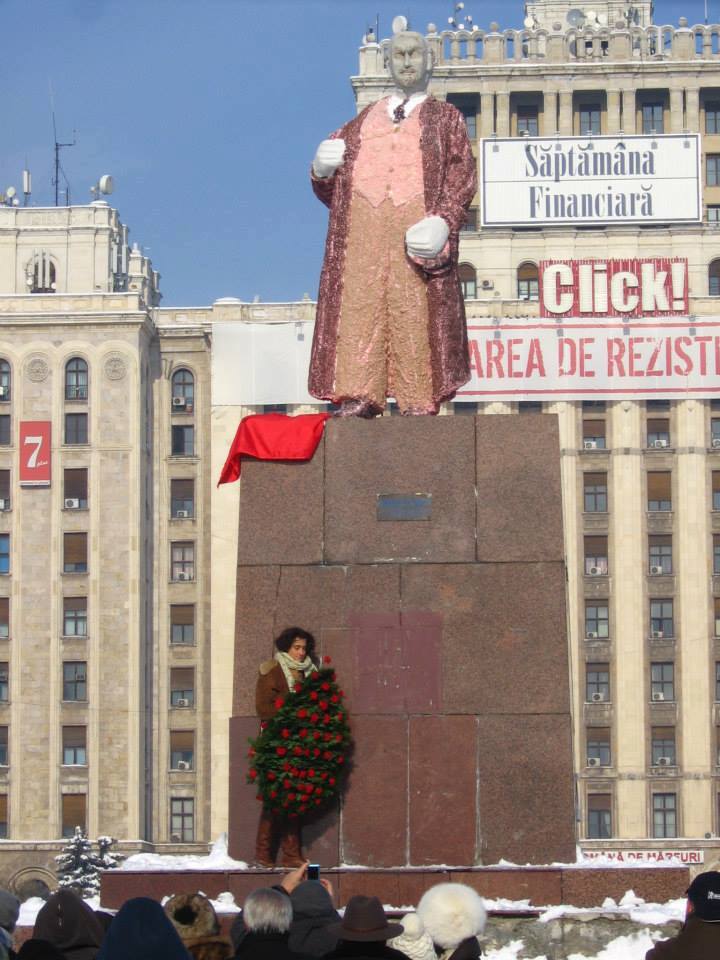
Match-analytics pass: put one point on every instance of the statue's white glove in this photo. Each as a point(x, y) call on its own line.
point(329, 156)
point(427, 237)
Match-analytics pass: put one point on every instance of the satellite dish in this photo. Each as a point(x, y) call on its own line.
point(10, 192)
point(105, 184)
point(528, 23)
point(399, 24)
point(575, 17)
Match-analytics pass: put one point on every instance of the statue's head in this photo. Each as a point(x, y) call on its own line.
point(410, 62)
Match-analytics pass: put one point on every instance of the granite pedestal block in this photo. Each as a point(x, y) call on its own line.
point(426, 556)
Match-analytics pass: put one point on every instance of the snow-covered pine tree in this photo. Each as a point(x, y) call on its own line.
point(105, 859)
point(76, 867)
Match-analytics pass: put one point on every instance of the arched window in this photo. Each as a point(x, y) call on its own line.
point(4, 381)
point(183, 391)
point(714, 279)
point(468, 281)
point(76, 379)
point(40, 273)
point(527, 281)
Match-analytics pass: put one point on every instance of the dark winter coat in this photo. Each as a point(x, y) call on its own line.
point(267, 946)
point(69, 924)
point(467, 950)
point(141, 931)
point(370, 950)
point(35, 949)
point(698, 940)
point(313, 911)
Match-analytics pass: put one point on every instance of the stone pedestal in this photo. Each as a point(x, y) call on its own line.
point(448, 633)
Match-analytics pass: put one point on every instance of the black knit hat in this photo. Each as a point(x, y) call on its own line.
point(704, 894)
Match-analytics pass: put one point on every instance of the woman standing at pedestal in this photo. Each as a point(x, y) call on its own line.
point(292, 663)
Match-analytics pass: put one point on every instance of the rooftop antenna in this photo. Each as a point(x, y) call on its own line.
point(27, 185)
point(58, 167)
point(458, 21)
point(105, 186)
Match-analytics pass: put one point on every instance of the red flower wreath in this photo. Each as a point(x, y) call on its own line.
point(315, 776)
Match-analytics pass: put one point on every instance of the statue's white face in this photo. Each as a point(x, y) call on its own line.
point(410, 65)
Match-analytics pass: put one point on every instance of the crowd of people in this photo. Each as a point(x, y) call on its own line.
point(297, 919)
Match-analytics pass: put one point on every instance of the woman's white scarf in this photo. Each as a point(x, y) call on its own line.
point(287, 665)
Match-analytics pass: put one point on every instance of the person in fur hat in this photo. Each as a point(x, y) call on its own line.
point(454, 916)
point(415, 942)
point(194, 918)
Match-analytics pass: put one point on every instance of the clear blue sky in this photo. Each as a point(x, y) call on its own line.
point(207, 113)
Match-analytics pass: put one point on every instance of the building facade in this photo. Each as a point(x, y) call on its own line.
point(117, 578)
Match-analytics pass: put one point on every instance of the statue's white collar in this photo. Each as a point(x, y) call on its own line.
point(395, 100)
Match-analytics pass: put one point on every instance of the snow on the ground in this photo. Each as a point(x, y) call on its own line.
point(217, 859)
point(630, 906)
point(30, 909)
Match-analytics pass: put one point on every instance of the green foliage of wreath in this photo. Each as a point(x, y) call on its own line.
point(298, 760)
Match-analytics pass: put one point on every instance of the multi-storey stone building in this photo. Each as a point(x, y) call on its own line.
point(117, 579)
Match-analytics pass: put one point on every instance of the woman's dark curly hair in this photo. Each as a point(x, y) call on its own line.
point(284, 640)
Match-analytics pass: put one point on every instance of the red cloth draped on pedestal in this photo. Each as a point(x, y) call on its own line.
point(273, 436)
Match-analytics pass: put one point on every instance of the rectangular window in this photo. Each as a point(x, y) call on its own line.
point(471, 221)
point(182, 560)
point(182, 749)
point(75, 680)
point(76, 428)
point(5, 435)
point(717, 682)
point(3, 816)
point(660, 555)
point(182, 819)
point(712, 169)
point(74, 813)
point(664, 815)
point(469, 407)
point(597, 625)
point(527, 120)
point(659, 491)
point(658, 433)
point(75, 553)
point(597, 682)
point(712, 117)
point(4, 618)
point(275, 408)
point(182, 687)
point(3, 746)
point(596, 556)
point(4, 490)
point(599, 819)
point(716, 554)
point(4, 553)
point(595, 492)
point(652, 118)
point(598, 746)
point(182, 623)
point(182, 499)
point(74, 746)
point(716, 489)
point(594, 435)
point(530, 406)
point(75, 616)
point(715, 432)
point(4, 682)
point(183, 440)
point(528, 288)
point(662, 622)
point(662, 747)
point(589, 116)
point(467, 104)
point(662, 681)
point(713, 214)
point(716, 613)
point(75, 489)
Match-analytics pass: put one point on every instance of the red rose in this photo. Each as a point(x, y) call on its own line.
point(258, 796)
point(302, 734)
point(326, 718)
point(338, 737)
point(334, 698)
point(316, 734)
point(297, 751)
point(314, 695)
point(318, 791)
point(273, 794)
point(340, 716)
point(286, 765)
point(325, 686)
point(311, 772)
point(285, 733)
point(271, 776)
point(251, 752)
point(279, 703)
point(253, 774)
point(287, 784)
point(332, 676)
point(318, 801)
point(327, 755)
point(323, 705)
point(291, 797)
point(314, 675)
point(341, 759)
point(302, 713)
point(327, 659)
point(331, 781)
point(298, 687)
point(280, 751)
point(314, 718)
point(341, 693)
point(316, 752)
point(308, 788)
point(263, 724)
point(306, 752)
point(302, 808)
point(327, 736)
point(302, 774)
point(323, 776)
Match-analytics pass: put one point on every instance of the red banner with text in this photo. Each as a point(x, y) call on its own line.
point(35, 453)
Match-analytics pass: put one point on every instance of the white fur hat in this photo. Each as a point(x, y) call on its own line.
point(415, 943)
point(452, 912)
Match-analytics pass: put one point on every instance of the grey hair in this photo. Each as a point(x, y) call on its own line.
point(267, 911)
